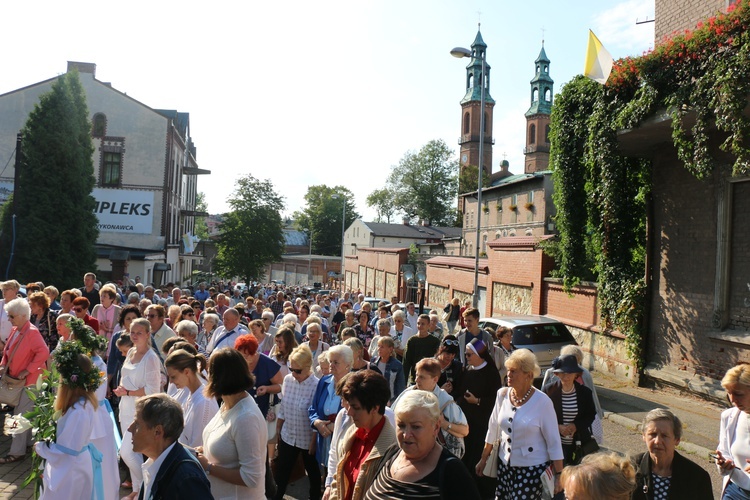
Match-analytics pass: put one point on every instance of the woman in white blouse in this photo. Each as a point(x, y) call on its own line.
point(293, 424)
point(234, 441)
point(183, 369)
point(140, 376)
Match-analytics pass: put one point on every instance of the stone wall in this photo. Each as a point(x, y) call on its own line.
point(438, 295)
point(604, 353)
point(379, 283)
point(511, 298)
point(462, 296)
point(391, 285)
point(369, 282)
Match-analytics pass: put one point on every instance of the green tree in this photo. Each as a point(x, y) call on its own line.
point(321, 217)
point(252, 233)
point(468, 179)
point(426, 184)
point(201, 230)
point(55, 225)
point(382, 201)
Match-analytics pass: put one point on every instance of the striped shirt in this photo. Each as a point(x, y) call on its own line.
point(569, 411)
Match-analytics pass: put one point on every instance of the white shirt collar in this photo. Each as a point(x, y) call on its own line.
point(151, 468)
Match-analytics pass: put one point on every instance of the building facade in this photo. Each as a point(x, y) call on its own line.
point(146, 178)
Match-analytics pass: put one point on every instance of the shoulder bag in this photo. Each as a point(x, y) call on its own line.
point(11, 387)
point(447, 440)
point(490, 467)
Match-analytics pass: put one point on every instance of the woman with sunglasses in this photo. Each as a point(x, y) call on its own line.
point(292, 424)
point(451, 368)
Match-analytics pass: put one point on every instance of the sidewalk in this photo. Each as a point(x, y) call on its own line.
point(13, 475)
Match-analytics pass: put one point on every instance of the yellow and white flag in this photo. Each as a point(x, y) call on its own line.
point(598, 60)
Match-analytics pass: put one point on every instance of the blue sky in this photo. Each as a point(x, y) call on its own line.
point(327, 92)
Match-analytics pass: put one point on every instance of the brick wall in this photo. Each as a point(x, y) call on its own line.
point(739, 289)
point(377, 271)
point(456, 274)
point(679, 15)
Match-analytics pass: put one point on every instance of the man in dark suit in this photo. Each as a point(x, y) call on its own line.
point(171, 471)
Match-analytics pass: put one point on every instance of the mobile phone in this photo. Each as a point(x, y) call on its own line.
point(713, 455)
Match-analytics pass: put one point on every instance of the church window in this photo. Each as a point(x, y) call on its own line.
point(486, 122)
point(535, 95)
point(532, 134)
point(548, 95)
point(546, 68)
point(467, 122)
point(537, 68)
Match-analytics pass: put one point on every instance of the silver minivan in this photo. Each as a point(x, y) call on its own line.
point(542, 335)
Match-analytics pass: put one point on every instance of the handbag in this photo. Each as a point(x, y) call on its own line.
point(582, 449)
point(447, 440)
point(11, 387)
point(490, 467)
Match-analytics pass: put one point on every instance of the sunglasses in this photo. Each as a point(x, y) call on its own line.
point(189, 314)
point(298, 371)
point(78, 309)
point(450, 342)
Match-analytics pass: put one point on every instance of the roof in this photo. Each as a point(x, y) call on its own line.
point(411, 231)
point(295, 238)
point(511, 179)
point(460, 262)
point(518, 241)
point(180, 119)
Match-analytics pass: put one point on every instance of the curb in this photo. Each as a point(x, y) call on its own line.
point(634, 425)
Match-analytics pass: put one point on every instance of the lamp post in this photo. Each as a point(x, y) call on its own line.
point(343, 230)
point(462, 52)
point(309, 260)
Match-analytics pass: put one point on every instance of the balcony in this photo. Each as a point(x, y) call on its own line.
point(475, 138)
point(536, 148)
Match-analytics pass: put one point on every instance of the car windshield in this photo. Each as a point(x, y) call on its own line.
point(541, 334)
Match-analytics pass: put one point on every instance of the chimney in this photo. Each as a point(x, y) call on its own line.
point(82, 67)
point(405, 221)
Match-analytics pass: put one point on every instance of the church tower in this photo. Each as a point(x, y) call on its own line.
point(538, 117)
point(470, 109)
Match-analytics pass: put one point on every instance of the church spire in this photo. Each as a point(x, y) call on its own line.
point(541, 86)
point(474, 72)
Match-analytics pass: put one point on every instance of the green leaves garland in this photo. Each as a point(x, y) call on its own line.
point(701, 79)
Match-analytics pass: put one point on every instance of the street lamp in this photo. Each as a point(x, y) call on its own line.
point(309, 260)
point(462, 52)
point(343, 229)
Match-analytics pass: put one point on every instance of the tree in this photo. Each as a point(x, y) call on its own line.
point(321, 217)
point(201, 229)
point(425, 184)
point(468, 179)
point(382, 200)
point(55, 225)
point(252, 233)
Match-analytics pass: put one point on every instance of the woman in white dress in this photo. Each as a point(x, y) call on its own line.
point(71, 459)
point(234, 441)
point(140, 376)
point(183, 369)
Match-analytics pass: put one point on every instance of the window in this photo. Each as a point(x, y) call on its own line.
point(548, 95)
point(530, 197)
point(484, 244)
point(546, 134)
point(535, 95)
point(486, 122)
point(111, 161)
point(532, 134)
point(99, 126)
point(467, 122)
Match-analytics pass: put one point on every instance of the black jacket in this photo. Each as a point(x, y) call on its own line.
point(586, 408)
point(180, 477)
point(689, 480)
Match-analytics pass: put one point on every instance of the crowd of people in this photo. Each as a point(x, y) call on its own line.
point(207, 393)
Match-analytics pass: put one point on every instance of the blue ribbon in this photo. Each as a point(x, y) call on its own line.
point(118, 439)
point(96, 465)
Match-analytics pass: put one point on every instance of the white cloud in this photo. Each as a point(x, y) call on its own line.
point(616, 27)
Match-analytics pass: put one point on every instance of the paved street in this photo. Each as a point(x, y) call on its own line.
point(625, 406)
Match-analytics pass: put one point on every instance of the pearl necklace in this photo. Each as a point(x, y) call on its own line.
point(519, 402)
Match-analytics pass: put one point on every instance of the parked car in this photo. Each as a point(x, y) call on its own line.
point(540, 334)
point(373, 301)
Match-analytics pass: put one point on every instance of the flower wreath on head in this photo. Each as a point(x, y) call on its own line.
point(71, 374)
point(88, 338)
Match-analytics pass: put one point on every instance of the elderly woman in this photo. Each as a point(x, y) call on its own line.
point(584, 378)
point(81, 310)
point(234, 441)
point(293, 427)
point(363, 444)
point(734, 436)
point(451, 368)
point(524, 424)
point(384, 330)
point(661, 472)
point(210, 323)
point(418, 467)
point(140, 376)
point(452, 312)
point(265, 341)
point(359, 362)
point(453, 425)
point(43, 318)
point(504, 347)
point(574, 407)
point(183, 369)
point(326, 404)
point(390, 367)
point(601, 476)
point(314, 342)
point(476, 397)
point(188, 330)
point(66, 300)
point(363, 330)
point(106, 311)
point(24, 357)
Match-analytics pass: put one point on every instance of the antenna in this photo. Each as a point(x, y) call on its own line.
point(638, 20)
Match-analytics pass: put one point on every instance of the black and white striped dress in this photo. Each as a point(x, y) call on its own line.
point(569, 413)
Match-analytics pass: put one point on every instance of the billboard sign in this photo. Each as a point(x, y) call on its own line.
point(124, 210)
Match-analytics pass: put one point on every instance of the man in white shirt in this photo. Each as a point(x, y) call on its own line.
point(159, 330)
point(171, 471)
point(400, 333)
point(411, 315)
point(225, 335)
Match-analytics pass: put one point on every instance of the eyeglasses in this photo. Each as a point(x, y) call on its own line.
point(298, 371)
point(450, 342)
point(151, 316)
point(78, 309)
point(10, 316)
point(189, 314)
